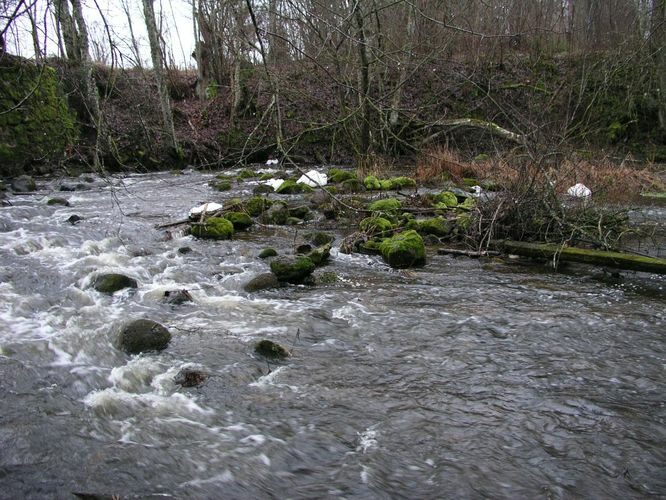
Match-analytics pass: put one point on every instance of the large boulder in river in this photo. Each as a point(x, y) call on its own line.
point(240, 220)
point(292, 269)
point(143, 335)
point(112, 282)
point(403, 250)
point(262, 281)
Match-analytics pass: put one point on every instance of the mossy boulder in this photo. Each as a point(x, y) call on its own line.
point(338, 175)
point(352, 186)
point(437, 226)
point(292, 187)
point(401, 182)
point(403, 250)
point(110, 283)
point(256, 205)
point(247, 174)
point(390, 205)
point(446, 199)
point(262, 189)
point(375, 225)
point(372, 183)
point(142, 335)
point(292, 269)
point(241, 221)
point(319, 238)
point(215, 228)
point(220, 185)
point(271, 349)
point(260, 282)
point(277, 214)
point(267, 252)
point(320, 255)
point(38, 126)
point(468, 204)
point(300, 212)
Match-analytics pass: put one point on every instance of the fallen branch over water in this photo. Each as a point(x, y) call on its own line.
point(595, 257)
point(466, 253)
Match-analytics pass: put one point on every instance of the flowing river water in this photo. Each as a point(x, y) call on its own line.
point(461, 379)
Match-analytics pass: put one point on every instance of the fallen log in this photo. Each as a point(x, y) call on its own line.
point(467, 253)
point(617, 260)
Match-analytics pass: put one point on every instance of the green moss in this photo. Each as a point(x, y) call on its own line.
point(216, 228)
point(352, 186)
point(256, 205)
point(337, 175)
point(247, 174)
point(267, 252)
point(446, 199)
point(437, 226)
point(292, 187)
point(292, 269)
point(372, 183)
point(386, 205)
point(41, 127)
point(319, 238)
point(468, 204)
point(220, 185)
point(240, 220)
point(375, 225)
point(403, 250)
point(402, 182)
point(266, 176)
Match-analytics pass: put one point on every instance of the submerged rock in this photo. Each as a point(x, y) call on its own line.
point(293, 270)
point(73, 219)
point(271, 349)
point(215, 228)
point(403, 250)
point(143, 335)
point(176, 297)
point(263, 281)
point(58, 201)
point(277, 214)
point(112, 282)
point(267, 252)
point(189, 377)
point(320, 255)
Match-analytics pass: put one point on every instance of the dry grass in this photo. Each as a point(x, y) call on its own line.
point(608, 181)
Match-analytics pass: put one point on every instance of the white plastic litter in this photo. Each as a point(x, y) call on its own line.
point(272, 161)
point(579, 191)
point(274, 183)
point(313, 179)
point(206, 207)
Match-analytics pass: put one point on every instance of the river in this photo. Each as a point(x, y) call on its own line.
point(461, 379)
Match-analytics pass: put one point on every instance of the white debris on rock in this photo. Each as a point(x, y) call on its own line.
point(272, 161)
point(205, 208)
point(579, 191)
point(313, 179)
point(274, 183)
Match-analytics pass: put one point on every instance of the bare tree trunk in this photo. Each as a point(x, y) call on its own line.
point(70, 35)
point(659, 47)
point(158, 68)
point(32, 14)
point(364, 81)
point(402, 74)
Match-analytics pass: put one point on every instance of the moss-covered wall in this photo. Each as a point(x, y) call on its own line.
point(36, 125)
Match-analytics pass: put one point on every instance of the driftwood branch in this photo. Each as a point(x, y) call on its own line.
point(476, 123)
point(617, 260)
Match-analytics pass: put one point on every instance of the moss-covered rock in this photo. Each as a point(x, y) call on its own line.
point(271, 349)
point(240, 220)
point(319, 238)
point(292, 269)
point(220, 185)
point(320, 255)
point(403, 250)
point(277, 214)
point(40, 125)
point(256, 205)
point(352, 186)
point(468, 204)
point(445, 199)
point(338, 175)
point(247, 174)
point(110, 283)
point(292, 187)
point(267, 252)
point(142, 335)
point(215, 228)
point(438, 226)
point(300, 212)
point(372, 183)
point(390, 205)
point(401, 182)
point(375, 225)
